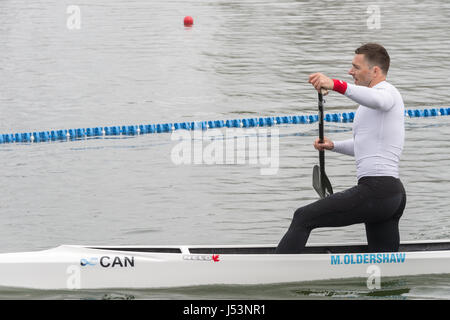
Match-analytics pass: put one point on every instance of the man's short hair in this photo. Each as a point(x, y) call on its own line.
point(376, 55)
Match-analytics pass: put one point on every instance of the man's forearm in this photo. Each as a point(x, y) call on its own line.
point(344, 147)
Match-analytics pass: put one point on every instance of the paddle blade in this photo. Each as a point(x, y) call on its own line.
point(317, 185)
point(327, 186)
point(321, 184)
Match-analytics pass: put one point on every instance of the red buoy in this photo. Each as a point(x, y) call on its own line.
point(188, 21)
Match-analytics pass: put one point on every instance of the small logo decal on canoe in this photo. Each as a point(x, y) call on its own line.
point(88, 262)
point(201, 257)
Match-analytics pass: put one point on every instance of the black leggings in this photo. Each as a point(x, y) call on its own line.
point(378, 202)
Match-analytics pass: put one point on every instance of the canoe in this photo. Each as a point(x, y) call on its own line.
point(96, 267)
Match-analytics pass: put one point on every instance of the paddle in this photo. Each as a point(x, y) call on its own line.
point(320, 180)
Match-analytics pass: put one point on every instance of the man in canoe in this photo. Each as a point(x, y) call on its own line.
point(378, 200)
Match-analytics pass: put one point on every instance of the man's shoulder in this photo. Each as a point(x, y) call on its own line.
point(387, 85)
point(384, 84)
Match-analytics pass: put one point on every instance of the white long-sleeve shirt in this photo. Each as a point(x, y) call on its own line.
point(378, 130)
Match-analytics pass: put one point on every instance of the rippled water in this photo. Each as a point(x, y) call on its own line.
point(133, 62)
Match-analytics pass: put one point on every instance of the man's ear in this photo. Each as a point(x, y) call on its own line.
point(377, 70)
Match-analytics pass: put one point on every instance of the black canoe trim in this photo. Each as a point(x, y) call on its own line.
point(140, 249)
point(438, 246)
point(408, 247)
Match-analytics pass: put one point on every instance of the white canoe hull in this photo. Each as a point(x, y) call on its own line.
point(90, 267)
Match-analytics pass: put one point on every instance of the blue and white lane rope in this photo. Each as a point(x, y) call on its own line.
point(81, 133)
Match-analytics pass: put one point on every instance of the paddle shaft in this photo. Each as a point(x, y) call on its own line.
point(321, 152)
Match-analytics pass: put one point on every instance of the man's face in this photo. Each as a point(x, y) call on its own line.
point(361, 71)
